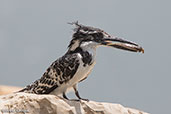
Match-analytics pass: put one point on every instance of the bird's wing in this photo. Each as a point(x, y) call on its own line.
point(61, 71)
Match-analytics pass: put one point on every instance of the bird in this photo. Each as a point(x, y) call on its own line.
point(76, 64)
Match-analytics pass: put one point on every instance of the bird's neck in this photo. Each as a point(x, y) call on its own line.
point(87, 53)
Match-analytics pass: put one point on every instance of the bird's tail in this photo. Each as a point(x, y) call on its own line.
point(23, 90)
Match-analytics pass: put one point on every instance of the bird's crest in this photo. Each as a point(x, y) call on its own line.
point(79, 28)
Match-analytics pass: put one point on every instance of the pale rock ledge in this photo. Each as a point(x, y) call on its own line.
point(8, 89)
point(24, 103)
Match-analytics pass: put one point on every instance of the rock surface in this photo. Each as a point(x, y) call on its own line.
point(8, 89)
point(50, 104)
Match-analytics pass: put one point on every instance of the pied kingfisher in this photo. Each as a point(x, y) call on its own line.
point(77, 63)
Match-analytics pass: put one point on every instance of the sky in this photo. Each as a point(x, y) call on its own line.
point(33, 34)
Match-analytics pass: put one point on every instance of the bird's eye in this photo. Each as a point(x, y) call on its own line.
point(97, 35)
point(100, 35)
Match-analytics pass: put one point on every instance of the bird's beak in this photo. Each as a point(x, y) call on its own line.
point(122, 44)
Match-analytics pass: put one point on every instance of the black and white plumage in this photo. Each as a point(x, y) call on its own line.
point(67, 71)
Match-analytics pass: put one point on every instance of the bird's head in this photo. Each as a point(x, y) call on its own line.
point(94, 37)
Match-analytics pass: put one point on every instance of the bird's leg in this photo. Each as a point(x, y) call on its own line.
point(77, 94)
point(64, 96)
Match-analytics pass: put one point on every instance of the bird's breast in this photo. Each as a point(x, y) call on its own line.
point(83, 70)
point(81, 73)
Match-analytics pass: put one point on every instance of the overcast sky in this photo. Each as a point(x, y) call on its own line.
point(33, 34)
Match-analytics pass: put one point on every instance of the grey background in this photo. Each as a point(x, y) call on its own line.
point(33, 34)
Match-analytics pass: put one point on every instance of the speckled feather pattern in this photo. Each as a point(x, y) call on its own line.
point(59, 73)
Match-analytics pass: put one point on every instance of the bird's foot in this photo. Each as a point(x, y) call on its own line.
point(84, 99)
point(79, 99)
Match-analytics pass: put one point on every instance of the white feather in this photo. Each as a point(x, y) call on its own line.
point(82, 72)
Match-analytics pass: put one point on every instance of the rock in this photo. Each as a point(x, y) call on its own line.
point(8, 89)
point(50, 104)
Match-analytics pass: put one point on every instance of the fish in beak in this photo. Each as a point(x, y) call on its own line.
point(122, 44)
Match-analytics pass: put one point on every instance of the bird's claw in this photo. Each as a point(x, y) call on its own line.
point(84, 99)
point(79, 99)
